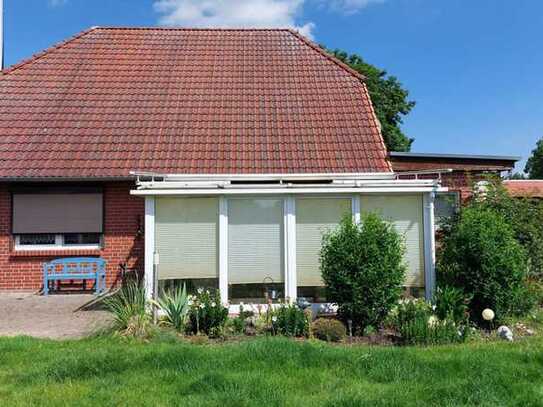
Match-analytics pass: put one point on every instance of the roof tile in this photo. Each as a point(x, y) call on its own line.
point(113, 100)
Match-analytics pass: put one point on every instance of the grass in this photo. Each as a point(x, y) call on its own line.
point(267, 372)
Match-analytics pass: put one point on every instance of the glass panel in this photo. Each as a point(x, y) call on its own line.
point(36, 239)
point(314, 217)
point(191, 284)
point(405, 212)
point(81, 238)
point(445, 206)
point(255, 253)
point(186, 238)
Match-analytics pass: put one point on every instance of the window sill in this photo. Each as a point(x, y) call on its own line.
point(55, 253)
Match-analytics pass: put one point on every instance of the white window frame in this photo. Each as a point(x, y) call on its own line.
point(58, 245)
point(289, 231)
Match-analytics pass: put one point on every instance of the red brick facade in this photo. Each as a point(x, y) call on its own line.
point(465, 170)
point(123, 241)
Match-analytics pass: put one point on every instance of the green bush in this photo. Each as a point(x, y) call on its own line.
point(525, 217)
point(289, 320)
point(363, 269)
point(481, 256)
point(417, 325)
point(206, 314)
point(330, 330)
point(174, 305)
point(129, 309)
point(451, 303)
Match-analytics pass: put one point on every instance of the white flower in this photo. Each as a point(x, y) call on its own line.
point(189, 302)
point(433, 307)
point(200, 290)
point(213, 304)
point(432, 320)
point(274, 319)
point(202, 306)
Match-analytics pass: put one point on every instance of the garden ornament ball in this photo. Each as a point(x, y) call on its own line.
point(488, 314)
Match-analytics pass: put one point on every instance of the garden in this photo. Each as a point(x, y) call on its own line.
point(478, 341)
point(489, 287)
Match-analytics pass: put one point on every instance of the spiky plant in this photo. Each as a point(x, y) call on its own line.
point(129, 308)
point(175, 306)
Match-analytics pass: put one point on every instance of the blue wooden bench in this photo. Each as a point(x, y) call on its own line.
point(75, 268)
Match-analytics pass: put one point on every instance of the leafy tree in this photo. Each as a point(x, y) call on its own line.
point(534, 165)
point(390, 99)
point(363, 269)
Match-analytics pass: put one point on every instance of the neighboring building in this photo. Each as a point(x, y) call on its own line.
point(529, 188)
point(210, 157)
point(456, 172)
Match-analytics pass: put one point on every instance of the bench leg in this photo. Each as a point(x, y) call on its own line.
point(45, 286)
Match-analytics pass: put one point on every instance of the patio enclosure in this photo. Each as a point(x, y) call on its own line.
point(257, 249)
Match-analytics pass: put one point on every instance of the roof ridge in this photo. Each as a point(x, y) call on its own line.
point(331, 58)
point(44, 52)
point(113, 27)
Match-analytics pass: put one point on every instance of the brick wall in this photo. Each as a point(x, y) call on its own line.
point(121, 245)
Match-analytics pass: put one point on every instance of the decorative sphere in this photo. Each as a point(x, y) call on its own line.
point(488, 314)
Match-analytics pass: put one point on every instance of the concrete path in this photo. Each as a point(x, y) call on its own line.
point(48, 317)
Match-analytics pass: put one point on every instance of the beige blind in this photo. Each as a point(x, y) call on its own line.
point(315, 216)
point(57, 213)
point(254, 241)
point(405, 211)
point(186, 237)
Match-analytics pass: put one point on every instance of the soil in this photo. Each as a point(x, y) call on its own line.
point(49, 317)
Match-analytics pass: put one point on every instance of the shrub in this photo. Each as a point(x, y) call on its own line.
point(206, 313)
point(363, 270)
point(525, 216)
point(416, 325)
point(289, 320)
point(451, 303)
point(481, 256)
point(174, 305)
point(330, 330)
point(129, 308)
point(238, 325)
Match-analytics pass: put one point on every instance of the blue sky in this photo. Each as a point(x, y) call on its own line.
point(474, 67)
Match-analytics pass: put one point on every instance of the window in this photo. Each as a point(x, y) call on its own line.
point(314, 217)
point(47, 241)
point(57, 218)
point(255, 253)
point(186, 241)
point(405, 213)
point(445, 205)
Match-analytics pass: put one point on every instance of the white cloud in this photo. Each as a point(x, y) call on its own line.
point(234, 14)
point(348, 6)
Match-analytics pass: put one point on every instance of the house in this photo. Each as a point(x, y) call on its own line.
point(456, 172)
point(532, 188)
point(214, 157)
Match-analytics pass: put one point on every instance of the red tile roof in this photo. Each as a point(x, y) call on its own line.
point(525, 188)
point(112, 100)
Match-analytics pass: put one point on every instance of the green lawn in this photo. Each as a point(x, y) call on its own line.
point(267, 372)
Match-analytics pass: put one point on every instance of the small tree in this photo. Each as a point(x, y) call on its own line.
point(481, 256)
point(363, 269)
point(534, 165)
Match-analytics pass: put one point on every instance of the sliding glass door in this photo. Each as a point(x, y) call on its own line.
point(255, 250)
